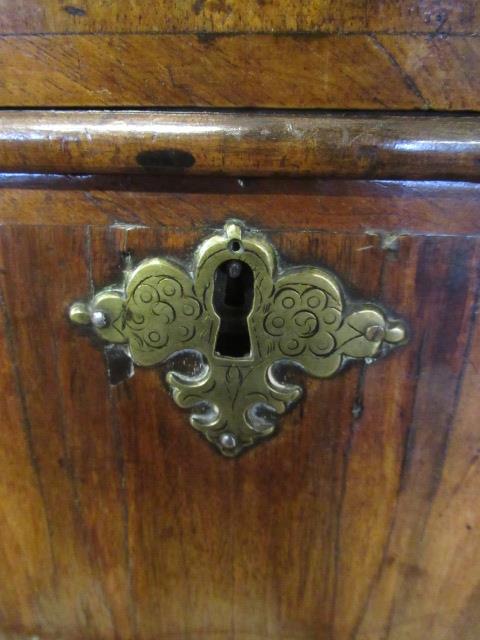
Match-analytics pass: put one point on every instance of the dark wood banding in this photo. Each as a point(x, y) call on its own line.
point(242, 144)
point(247, 16)
point(381, 209)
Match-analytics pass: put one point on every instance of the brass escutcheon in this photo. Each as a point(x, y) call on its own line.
point(243, 316)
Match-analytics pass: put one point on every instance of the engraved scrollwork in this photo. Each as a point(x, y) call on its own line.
point(303, 319)
point(158, 312)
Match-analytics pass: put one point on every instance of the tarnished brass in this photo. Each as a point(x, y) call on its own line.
point(299, 315)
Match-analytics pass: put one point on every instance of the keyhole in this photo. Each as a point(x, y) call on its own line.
point(232, 300)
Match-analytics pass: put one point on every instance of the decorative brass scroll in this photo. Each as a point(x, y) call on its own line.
point(299, 315)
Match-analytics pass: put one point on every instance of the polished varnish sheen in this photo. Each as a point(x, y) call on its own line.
point(348, 133)
point(369, 54)
point(359, 520)
point(338, 144)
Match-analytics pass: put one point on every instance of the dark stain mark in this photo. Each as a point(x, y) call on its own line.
point(119, 364)
point(75, 11)
point(441, 19)
point(207, 38)
point(413, 571)
point(198, 6)
point(219, 6)
point(373, 164)
point(411, 433)
point(165, 159)
point(126, 259)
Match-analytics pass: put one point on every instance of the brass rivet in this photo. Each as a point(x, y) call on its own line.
point(99, 319)
point(375, 333)
point(228, 441)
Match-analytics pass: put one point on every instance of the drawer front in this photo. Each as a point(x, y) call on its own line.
point(357, 520)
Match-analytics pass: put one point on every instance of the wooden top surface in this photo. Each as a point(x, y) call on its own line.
point(320, 54)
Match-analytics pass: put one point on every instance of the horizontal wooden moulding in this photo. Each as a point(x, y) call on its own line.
point(385, 209)
point(242, 143)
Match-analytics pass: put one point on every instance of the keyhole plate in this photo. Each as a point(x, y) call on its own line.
point(242, 325)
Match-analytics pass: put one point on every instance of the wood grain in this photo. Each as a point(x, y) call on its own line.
point(185, 70)
point(377, 208)
point(356, 71)
point(214, 16)
point(242, 144)
point(358, 521)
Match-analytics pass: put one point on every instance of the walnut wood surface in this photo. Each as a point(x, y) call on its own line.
point(354, 54)
point(242, 144)
point(359, 521)
point(404, 70)
point(376, 208)
point(427, 16)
